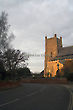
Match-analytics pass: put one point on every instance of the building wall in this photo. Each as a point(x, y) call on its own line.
point(52, 68)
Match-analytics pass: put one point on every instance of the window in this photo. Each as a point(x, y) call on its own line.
point(51, 54)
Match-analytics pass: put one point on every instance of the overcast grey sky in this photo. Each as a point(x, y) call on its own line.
point(31, 20)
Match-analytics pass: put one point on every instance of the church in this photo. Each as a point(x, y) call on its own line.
point(55, 55)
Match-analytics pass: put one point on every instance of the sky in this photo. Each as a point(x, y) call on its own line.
point(32, 20)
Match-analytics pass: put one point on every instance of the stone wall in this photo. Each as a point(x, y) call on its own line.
point(52, 67)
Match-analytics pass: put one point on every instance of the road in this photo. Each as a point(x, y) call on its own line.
point(35, 97)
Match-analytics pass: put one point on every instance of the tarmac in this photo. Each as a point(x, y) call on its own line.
point(70, 88)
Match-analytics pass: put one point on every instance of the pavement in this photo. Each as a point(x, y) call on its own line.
point(36, 97)
point(70, 88)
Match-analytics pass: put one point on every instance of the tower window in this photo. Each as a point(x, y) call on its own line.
point(51, 54)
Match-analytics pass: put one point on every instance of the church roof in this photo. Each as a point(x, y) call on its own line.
point(66, 51)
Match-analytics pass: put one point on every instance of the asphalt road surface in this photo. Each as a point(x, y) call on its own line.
point(35, 97)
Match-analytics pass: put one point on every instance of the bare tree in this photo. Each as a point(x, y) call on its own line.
point(13, 59)
point(4, 29)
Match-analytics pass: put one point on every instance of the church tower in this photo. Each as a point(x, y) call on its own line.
point(52, 46)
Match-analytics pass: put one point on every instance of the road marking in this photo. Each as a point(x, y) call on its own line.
point(17, 99)
point(70, 107)
point(10, 102)
point(31, 94)
point(35, 92)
